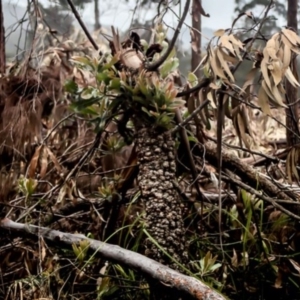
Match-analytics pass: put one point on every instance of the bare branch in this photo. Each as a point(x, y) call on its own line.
point(203, 83)
point(76, 14)
point(256, 34)
point(150, 267)
point(190, 117)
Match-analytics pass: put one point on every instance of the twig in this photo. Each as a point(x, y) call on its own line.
point(76, 14)
point(185, 142)
point(253, 152)
point(150, 267)
point(190, 117)
point(255, 36)
point(162, 59)
point(259, 108)
point(265, 198)
point(54, 127)
point(84, 157)
point(204, 82)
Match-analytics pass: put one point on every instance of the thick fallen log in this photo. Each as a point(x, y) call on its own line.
point(246, 172)
point(147, 266)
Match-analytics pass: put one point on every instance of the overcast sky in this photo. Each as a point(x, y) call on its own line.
point(221, 15)
point(120, 14)
point(117, 13)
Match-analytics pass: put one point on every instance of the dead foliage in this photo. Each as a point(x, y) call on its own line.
point(25, 101)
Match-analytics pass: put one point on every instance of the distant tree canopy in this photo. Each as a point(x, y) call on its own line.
point(78, 3)
point(270, 26)
point(58, 20)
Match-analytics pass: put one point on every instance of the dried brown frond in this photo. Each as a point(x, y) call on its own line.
point(24, 102)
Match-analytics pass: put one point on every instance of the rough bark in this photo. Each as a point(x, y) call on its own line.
point(97, 15)
point(2, 41)
point(164, 210)
point(292, 92)
point(169, 277)
point(196, 39)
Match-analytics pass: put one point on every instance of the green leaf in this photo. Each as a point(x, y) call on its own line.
point(71, 87)
point(192, 139)
point(115, 84)
point(113, 61)
point(192, 79)
point(176, 104)
point(215, 267)
point(114, 103)
point(83, 61)
point(146, 91)
point(207, 125)
point(144, 109)
point(80, 105)
point(206, 72)
point(101, 122)
point(30, 184)
point(89, 111)
point(246, 198)
point(169, 66)
point(160, 100)
point(139, 99)
point(127, 87)
point(145, 44)
point(164, 121)
point(103, 77)
point(172, 53)
point(87, 94)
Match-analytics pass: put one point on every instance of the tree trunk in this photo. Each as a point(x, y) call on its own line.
point(2, 41)
point(292, 92)
point(97, 15)
point(196, 39)
point(164, 211)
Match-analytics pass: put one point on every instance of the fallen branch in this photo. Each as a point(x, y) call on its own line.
point(149, 267)
point(244, 171)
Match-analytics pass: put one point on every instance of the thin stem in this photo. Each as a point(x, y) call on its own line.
point(255, 36)
point(190, 117)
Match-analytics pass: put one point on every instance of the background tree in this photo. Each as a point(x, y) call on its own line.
point(2, 42)
point(292, 112)
point(97, 15)
point(196, 38)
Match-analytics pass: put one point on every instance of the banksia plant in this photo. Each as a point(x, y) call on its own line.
point(127, 93)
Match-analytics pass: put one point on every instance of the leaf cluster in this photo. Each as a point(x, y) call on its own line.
point(122, 84)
